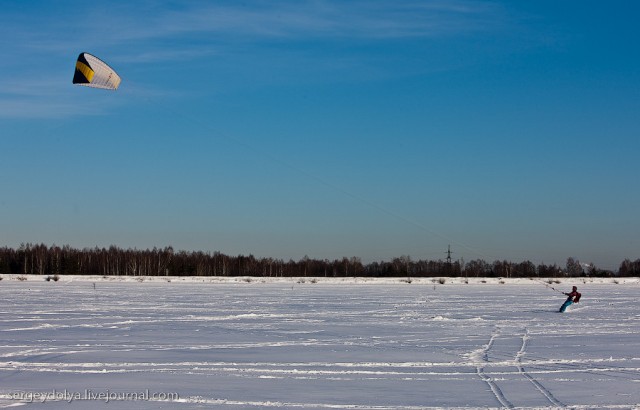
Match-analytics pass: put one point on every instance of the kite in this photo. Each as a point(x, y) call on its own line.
point(93, 72)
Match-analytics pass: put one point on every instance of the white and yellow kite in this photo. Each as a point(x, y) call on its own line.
point(93, 72)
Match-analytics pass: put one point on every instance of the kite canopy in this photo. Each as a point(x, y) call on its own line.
point(93, 72)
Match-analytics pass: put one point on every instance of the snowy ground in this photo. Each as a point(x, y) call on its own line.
point(341, 344)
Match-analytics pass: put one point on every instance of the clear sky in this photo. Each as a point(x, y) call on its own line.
point(376, 129)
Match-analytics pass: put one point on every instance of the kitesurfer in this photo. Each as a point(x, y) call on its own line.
point(573, 297)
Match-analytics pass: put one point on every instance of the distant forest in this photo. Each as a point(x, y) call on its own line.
point(113, 261)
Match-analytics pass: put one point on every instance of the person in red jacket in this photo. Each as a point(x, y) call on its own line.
point(573, 297)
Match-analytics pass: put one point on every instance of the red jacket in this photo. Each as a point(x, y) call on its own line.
point(574, 296)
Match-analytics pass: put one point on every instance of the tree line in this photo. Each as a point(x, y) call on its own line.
point(40, 259)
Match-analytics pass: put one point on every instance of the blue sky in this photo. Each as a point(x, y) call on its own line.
point(507, 129)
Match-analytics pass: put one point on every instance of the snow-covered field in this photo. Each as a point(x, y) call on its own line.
point(323, 344)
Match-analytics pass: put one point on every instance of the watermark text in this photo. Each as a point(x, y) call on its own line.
point(105, 396)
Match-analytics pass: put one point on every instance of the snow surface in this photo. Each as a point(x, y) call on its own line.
point(354, 343)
